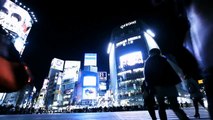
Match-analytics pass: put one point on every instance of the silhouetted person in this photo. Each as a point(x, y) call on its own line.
point(199, 17)
point(149, 99)
point(195, 94)
point(161, 76)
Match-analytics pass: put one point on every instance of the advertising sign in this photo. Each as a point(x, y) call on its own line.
point(15, 19)
point(71, 70)
point(89, 81)
point(130, 59)
point(103, 76)
point(57, 64)
point(90, 59)
point(89, 93)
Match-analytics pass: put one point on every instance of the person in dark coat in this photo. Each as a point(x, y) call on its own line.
point(195, 94)
point(161, 76)
point(149, 99)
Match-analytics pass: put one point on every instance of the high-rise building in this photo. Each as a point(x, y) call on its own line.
point(54, 95)
point(40, 103)
point(69, 79)
point(86, 91)
point(11, 98)
point(103, 82)
point(25, 99)
point(2, 96)
point(127, 54)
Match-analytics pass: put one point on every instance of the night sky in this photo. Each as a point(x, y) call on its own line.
point(67, 30)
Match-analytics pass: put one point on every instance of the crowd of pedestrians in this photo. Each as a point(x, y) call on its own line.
point(17, 110)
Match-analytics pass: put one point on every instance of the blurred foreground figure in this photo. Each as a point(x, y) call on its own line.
point(162, 78)
point(200, 16)
point(13, 73)
point(13, 76)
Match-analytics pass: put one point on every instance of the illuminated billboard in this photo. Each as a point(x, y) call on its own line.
point(90, 59)
point(15, 19)
point(57, 64)
point(130, 59)
point(103, 76)
point(71, 70)
point(89, 93)
point(89, 81)
point(88, 85)
point(102, 86)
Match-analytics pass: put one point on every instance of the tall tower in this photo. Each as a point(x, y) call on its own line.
point(54, 95)
point(127, 54)
point(87, 87)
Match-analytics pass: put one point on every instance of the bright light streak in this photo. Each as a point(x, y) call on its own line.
point(150, 41)
point(150, 33)
point(109, 48)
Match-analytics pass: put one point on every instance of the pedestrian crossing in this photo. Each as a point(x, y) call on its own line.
point(123, 115)
point(144, 115)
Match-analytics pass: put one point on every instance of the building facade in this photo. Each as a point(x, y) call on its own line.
point(128, 52)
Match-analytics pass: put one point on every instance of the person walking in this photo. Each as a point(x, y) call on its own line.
point(149, 99)
point(195, 94)
point(162, 77)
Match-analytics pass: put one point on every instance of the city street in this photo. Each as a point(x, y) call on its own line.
point(129, 115)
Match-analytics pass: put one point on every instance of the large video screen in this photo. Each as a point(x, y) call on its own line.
point(71, 70)
point(89, 81)
point(130, 59)
point(15, 19)
point(89, 93)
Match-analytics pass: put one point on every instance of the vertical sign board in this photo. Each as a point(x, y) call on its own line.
point(90, 85)
point(103, 76)
point(90, 59)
